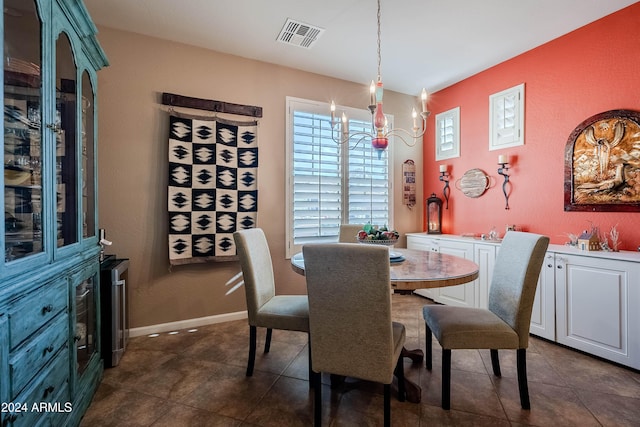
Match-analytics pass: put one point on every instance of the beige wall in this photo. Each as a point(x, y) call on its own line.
point(133, 165)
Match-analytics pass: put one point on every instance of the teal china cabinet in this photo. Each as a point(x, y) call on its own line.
point(50, 362)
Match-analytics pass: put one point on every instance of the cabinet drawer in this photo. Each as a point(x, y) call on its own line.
point(31, 313)
point(422, 244)
point(29, 359)
point(51, 387)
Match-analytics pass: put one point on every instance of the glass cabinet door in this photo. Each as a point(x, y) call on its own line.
point(22, 163)
point(85, 336)
point(88, 167)
point(66, 157)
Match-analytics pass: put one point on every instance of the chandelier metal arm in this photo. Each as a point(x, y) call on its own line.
point(345, 140)
point(395, 132)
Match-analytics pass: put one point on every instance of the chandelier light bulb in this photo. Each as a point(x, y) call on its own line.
point(423, 98)
point(372, 93)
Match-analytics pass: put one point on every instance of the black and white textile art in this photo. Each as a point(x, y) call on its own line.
point(213, 189)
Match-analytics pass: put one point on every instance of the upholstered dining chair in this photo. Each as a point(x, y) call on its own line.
point(504, 325)
point(349, 233)
point(264, 308)
point(350, 325)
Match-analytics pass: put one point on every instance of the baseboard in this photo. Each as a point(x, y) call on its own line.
point(186, 324)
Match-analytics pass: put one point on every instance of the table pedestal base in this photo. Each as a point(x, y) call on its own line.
point(413, 390)
point(416, 355)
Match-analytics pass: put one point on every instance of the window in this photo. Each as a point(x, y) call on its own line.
point(448, 134)
point(328, 184)
point(506, 118)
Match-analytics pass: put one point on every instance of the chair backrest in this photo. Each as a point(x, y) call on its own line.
point(515, 278)
point(350, 310)
point(257, 269)
point(349, 233)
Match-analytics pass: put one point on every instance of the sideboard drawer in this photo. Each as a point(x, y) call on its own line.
point(51, 387)
point(29, 359)
point(30, 314)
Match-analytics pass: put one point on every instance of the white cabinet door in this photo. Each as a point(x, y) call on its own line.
point(597, 307)
point(423, 242)
point(460, 295)
point(543, 315)
point(485, 256)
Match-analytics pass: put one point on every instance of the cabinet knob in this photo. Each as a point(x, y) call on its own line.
point(559, 267)
point(47, 309)
point(549, 265)
point(48, 391)
point(47, 350)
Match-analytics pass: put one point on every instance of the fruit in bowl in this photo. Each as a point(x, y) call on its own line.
point(378, 235)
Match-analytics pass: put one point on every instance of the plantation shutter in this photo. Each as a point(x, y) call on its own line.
point(506, 119)
point(368, 181)
point(317, 179)
point(330, 184)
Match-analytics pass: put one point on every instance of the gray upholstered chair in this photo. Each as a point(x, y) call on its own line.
point(505, 325)
point(350, 325)
point(349, 233)
point(264, 308)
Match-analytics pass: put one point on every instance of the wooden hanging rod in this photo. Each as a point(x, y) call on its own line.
point(210, 105)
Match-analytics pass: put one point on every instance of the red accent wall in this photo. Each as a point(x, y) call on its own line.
point(593, 69)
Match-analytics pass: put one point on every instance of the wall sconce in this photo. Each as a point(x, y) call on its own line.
point(444, 177)
point(503, 161)
point(434, 214)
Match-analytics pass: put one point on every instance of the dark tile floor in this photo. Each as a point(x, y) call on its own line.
point(197, 378)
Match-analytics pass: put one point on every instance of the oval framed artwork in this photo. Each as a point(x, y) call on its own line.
point(473, 183)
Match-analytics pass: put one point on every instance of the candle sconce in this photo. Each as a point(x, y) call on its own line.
point(444, 177)
point(502, 170)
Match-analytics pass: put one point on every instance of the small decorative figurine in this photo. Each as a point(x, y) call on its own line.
point(573, 240)
point(589, 241)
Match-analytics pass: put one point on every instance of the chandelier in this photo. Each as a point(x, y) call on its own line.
point(380, 132)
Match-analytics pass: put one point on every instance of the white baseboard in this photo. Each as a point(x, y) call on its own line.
point(186, 324)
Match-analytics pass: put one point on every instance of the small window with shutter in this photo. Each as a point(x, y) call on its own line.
point(506, 118)
point(448, 134)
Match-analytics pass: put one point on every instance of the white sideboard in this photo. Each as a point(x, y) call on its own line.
point(589, 301)
point(483, 253)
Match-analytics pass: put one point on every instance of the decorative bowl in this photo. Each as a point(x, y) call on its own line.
point(384, 242)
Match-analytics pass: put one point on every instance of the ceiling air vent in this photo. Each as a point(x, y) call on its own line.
point(299, 34)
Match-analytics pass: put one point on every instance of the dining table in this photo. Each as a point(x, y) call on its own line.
point(414, 269)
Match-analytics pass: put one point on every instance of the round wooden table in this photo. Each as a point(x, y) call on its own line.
point(419, 270)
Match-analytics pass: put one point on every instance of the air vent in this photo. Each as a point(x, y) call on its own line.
point(299, 34)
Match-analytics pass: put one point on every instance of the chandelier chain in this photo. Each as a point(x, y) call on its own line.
point(379, 56)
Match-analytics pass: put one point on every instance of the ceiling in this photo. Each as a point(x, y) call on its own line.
point(425, 43)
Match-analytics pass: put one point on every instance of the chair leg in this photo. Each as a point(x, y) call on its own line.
point(317, 399)
point(387, 405)
point(428, 346)
point(400, 376)
point(521, 361)
point(495, 363)
point(267, 343)
point(311, 379)
point(252, 350)
point(446, 378)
